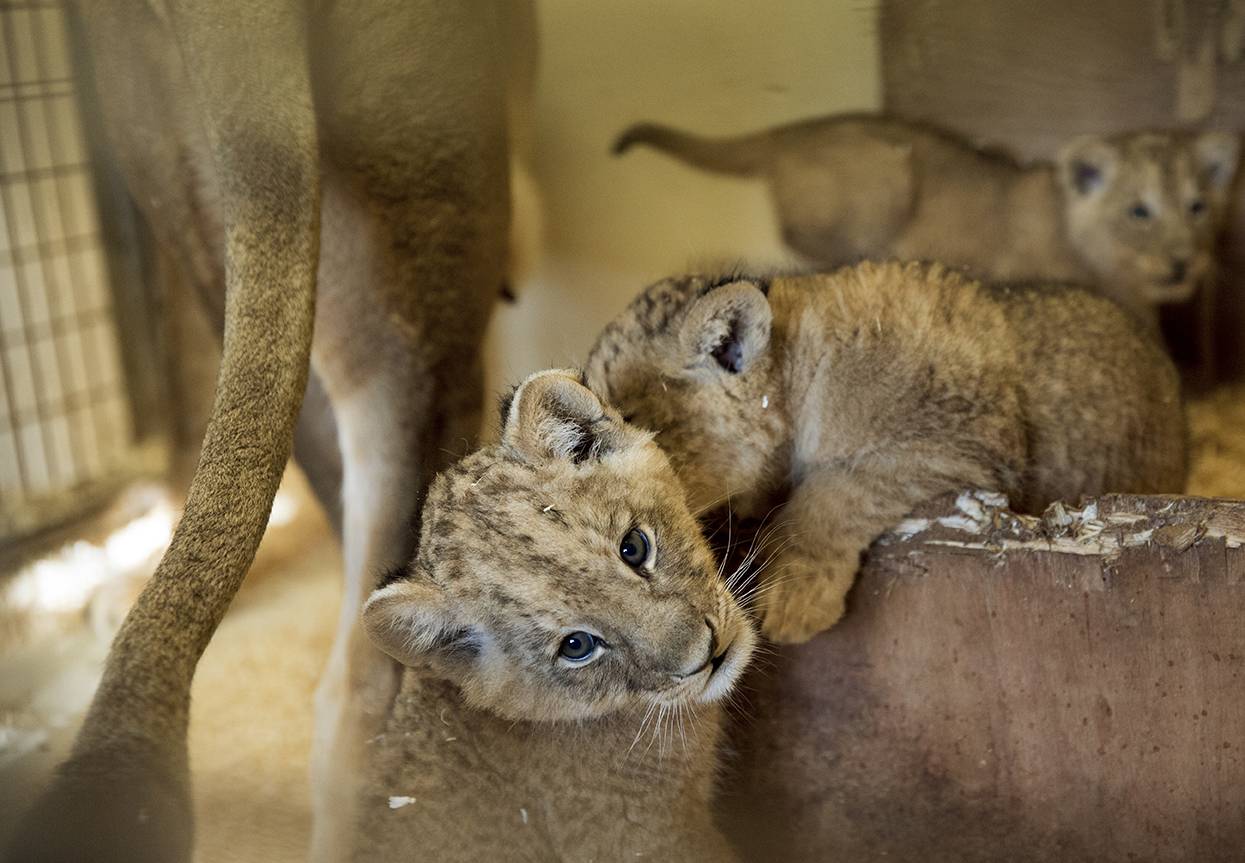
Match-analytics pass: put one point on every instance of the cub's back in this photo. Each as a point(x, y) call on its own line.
point(1101, 398)
point(1058, 389)
point(909, 360)
point(857, 186)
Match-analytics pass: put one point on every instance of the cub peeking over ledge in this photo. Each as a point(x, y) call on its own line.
point(571, 640)
point(851, 397)
point(1134, 216)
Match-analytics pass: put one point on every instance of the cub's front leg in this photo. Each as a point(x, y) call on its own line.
point(831, 518)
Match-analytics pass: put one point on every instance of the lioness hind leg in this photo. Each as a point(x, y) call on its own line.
point(411, 112)
point(397, 345)
point(388, 457)
point(380, 480)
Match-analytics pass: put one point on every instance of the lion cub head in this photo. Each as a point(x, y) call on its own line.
point(690, 359)
point(560, 574)
point(1143, 210)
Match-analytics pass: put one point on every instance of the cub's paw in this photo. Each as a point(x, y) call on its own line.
point(803, 604)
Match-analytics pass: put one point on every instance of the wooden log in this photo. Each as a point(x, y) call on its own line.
point(1013, 688)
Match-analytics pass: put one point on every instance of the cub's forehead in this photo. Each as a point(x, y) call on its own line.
point(490, 518)
point(1152, 145)
point(656, 311)
point(1156, 159)
point(630, 340)
point(634, 339)
point(498, 496)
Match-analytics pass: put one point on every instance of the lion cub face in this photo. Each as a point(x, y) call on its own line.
point(560, 574)
point(1143, 210)
point(689, 359)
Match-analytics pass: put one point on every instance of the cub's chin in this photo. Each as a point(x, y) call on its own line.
point(728, 667)
point(718, 676)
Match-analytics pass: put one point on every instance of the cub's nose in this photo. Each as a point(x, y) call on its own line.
point(699, 664)
point(1179, 270)
point(716, 653)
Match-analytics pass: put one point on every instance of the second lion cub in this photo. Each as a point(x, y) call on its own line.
point(1133, 216)
point(851, 397)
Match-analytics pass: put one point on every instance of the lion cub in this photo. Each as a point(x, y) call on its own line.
point(853, 396)
point(562, 611)
point(1135, 216)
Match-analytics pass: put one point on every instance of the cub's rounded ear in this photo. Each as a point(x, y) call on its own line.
point(411, 620)
point(729, 326)
point(1217, 154)
point(1086, 165)
point(553, 416)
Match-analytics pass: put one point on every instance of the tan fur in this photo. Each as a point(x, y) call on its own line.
point(355, 157)
point(510, 751)
point(861, 393)
point(853, 187)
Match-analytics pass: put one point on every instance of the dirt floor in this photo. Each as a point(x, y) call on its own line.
point(251, 719)
point(252, 713)
point(1217, 437)
point(251, 788)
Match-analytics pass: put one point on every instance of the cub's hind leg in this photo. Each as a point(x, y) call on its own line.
point(845, 201)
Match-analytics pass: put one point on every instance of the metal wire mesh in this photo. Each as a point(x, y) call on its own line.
point(64, 409)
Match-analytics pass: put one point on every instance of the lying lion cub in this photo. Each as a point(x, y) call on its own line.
point(853, 396)
point(563, 609)
point(1135, 216)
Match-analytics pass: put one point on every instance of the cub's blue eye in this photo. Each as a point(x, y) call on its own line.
point(578, 646)
point(634, 547)
point(1197, 208)
point(1140, 212)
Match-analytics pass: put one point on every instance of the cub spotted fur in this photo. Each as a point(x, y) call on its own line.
point(562, 596)
point(1134, 215)
point(853, 396)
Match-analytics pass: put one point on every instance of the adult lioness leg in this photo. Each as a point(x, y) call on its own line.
point(412, 124)
point(124, 793)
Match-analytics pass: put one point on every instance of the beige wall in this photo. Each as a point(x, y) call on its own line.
point(613, 225)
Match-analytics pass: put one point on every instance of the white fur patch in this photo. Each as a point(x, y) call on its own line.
point(564, 438)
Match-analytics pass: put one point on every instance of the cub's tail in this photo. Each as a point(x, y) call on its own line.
point(743, 156)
